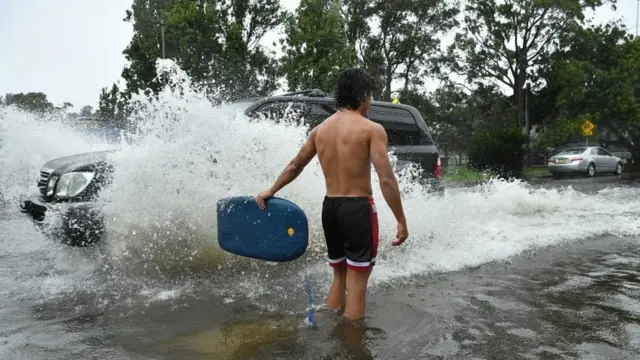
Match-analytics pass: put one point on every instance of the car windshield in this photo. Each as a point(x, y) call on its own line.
point(575, 151)
point(240, 106)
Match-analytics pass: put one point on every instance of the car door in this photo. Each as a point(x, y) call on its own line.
point(608, 161)
point(597, 159)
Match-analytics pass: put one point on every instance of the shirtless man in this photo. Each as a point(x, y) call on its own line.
point(346, 143)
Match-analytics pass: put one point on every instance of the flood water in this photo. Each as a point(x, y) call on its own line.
point(579, 300)
point(504, 270)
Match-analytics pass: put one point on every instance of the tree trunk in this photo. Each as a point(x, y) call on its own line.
point(632, 145)
point(388, 79)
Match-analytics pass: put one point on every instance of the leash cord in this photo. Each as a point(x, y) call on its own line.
point(310, 313)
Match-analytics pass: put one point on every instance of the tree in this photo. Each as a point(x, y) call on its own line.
point(460, 114)
point(35, 102)
point(316, 46)
point(405, 43)
point(86, 111)
point(114, 105)
point(501, 43)
point(498, 150)
point(408, 39)
point(216, 43)
point(598, 71)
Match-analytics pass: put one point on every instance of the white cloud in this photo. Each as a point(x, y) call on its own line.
point(70, 49)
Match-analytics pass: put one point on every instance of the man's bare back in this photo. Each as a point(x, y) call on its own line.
point(342, 144)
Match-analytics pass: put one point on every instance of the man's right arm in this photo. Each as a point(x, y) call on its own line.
point(378, 151)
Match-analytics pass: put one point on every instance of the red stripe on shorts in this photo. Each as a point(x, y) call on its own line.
point(375, 231)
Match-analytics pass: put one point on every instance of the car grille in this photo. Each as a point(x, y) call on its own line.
point(43, 179)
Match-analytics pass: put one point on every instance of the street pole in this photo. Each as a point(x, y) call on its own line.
point(162, 32)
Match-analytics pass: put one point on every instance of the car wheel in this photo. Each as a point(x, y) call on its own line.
point(591, 170)
point(618, 169)
point(82, 227)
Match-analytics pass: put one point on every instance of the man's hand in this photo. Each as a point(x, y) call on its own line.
point(402, 234)
point(260, 198)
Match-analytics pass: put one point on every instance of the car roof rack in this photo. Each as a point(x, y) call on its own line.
point(310, 93)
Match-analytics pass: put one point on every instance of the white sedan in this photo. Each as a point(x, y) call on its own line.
point(585, 160)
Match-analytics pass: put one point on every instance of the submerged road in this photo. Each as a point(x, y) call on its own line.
point(568, 290)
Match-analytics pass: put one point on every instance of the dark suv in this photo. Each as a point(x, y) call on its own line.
point(70, 185)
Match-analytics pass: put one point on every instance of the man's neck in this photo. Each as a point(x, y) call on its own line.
point(355, 111)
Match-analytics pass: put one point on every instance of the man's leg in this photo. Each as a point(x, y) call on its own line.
point(361, 222)
point(335, 253)
point(336, 299)
point(357, 281)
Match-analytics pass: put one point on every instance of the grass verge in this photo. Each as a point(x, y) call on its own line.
point(536, 171)
point(465, 174)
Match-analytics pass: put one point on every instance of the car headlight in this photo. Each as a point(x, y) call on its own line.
point(73, 183)
point(51, 185)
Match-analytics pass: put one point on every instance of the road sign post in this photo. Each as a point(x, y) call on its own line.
point(587, 128)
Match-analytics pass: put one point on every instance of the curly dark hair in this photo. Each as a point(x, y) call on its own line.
point(354, 85)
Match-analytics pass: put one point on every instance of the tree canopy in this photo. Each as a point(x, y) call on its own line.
point(538, 65)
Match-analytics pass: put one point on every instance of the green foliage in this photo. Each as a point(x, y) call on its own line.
point(114, 105)
point(465, 174)
point(498, 150)
point(215, 43)
point(560, 132)
point(574, 72)
point(35, 102)
point(598, 72)
point(455, 115)
point(501, 41)
point(316, 46)
point(407, 43)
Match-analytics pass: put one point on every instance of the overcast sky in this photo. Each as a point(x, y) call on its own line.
point(70, 49)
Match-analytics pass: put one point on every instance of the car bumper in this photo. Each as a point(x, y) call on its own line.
point(34, 205)
point(80, 223)
point(567, 168)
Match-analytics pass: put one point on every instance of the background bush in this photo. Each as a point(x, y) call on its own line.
point(500, 151)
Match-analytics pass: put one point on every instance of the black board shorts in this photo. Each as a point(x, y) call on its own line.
point(351, 231)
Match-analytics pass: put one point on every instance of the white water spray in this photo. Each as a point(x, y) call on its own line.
point(27, 142)
point(160, 208)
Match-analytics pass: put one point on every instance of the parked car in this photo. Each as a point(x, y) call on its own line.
point(585, 160)
point(70, 185)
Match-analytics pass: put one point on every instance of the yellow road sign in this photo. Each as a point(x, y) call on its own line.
point(395, 100)
point(587, 128)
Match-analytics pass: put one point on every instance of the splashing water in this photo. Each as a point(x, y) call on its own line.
point(187, 154)
point(27, 142)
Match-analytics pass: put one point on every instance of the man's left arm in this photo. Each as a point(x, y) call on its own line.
point(297, 164)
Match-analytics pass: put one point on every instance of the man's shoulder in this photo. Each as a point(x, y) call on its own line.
point(373, 124)
point(375, 127)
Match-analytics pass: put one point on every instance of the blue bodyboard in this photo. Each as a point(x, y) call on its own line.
point(278, 233)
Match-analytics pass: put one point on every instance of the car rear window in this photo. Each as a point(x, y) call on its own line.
point(400, 124)
point(574, 151)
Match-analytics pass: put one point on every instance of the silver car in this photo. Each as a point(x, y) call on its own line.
point(586, 160)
